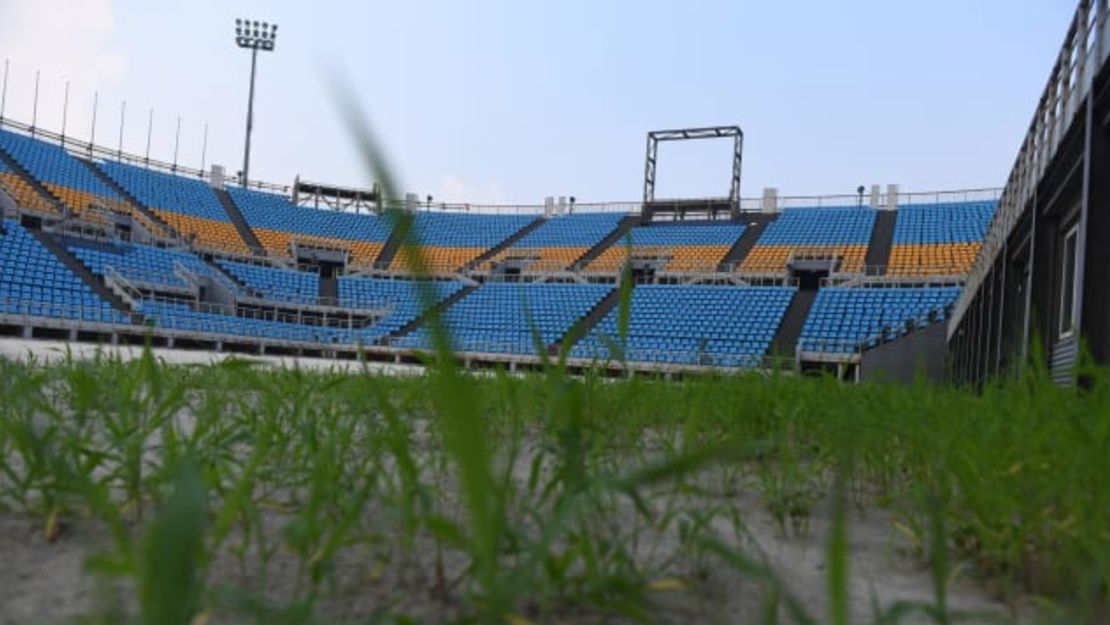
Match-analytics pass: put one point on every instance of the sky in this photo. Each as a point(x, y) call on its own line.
point(504, 101)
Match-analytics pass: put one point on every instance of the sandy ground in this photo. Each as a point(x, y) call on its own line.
point(44, 582)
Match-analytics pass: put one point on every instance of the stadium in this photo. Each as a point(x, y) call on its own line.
point(769, 358)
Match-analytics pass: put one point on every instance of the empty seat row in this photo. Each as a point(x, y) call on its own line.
point(561, 240)
point(691, 247)
point(513, 318)
point(846, 319)
point(33, 281)
point(695, 325)
point(151, 267)
point(284, 285)
point(400, 299)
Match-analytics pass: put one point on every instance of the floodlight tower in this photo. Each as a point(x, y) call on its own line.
point(254, 36)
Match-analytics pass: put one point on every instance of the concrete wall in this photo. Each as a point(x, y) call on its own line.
point(901, 360)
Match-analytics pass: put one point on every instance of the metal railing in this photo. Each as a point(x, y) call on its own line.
point(84, 149)
point(1081, 57)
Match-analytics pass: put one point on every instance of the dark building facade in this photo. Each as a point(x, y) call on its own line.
point(1041, 285)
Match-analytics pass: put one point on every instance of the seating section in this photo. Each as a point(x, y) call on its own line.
point(21, 192)
point(183, 317)
point(400, 297)
point(189, 206)
point(283, 285)
point(501, 317)
point(560, 241)
point(34, 282)
point(146, 266)
point(449, 241)
point(64, 176)
point(687, 247)
point(844, 318)
point(840, 233)
point(692, 325)
point(278, 223)
point(938, 239)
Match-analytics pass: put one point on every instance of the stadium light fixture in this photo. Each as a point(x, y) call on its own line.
point(254, 36)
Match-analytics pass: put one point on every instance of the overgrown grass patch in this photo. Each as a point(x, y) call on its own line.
point(237, 493)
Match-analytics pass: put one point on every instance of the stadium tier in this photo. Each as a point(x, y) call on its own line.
point(839, 233)
point(687, 247)
point(184, 316)
point(146, 266)
point(938, 239)
point(401, 298)
point(34, 282)
point(449, 241)
point(279, 224)
point(279, 285)
point(21, 192)
point(54, 268)
point(695, 325)
point(512, 318)
point(843, 318)
point(560, 241)
point(189, 206)
point(69, 180)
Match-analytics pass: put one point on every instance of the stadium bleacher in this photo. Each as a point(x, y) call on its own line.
point(674, 324)
point(842, 233)
point(694, 325)
point(449, 241)
point(560, 241)
point(277, 223)
point(34, 282)
point(938, 239)
point(687, 247)
point(63, 176)
point(145, 265)
point(183, 316)
point(278, 284)
point(189, 206)
point(400, 297)
point(504, 317)
point(22, 192)
point(843, 318)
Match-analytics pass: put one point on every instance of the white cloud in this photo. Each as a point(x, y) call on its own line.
point(64, 40)
point(453, 189)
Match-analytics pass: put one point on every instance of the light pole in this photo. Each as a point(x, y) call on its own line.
point(254, 36)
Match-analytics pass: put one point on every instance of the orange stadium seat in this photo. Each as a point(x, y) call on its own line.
point(217, 235)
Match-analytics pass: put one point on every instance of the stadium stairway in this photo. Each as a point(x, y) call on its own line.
point(126, 195)
point(392, 245)
point(790, 330)
point(614, 237)
point(245, 231)
point(440, 307)
point(234, 279)
point(18, 168)
point(882, 238)
point(329, 287)
point(756, 224)
point(80, 270)
point(586, 324)
point(506, 244)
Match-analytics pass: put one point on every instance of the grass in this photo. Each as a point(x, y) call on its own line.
point(543, 497)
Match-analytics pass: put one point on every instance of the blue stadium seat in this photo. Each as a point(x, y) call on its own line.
point(844, 319)
point(507, 317)
point(707, 325)
point(34, 282)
